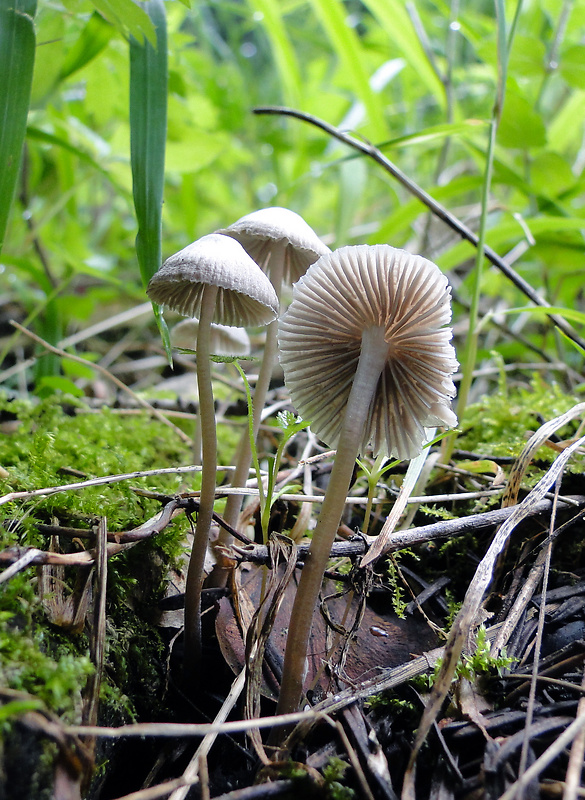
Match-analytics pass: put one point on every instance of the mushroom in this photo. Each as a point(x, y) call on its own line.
point(213, 279)
point(280, 241)
point(284, 246)
point(367, 359)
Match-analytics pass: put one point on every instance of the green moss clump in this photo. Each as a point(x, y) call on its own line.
point(498, 424)
point(38, 659)
point(48, 441)
point(39, 654)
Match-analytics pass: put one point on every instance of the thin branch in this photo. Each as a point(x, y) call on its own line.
point(126, 476)
point(444, 529)
point(440, 211)
point(187, 729)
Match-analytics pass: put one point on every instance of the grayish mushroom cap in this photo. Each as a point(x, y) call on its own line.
point(261, 231)
point(246, 296)
point(320, 334)
point(225, 340)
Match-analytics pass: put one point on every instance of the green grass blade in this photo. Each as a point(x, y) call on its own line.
point(393, 18)
point(148, 130)
point(508, 233)
point(471, 341)
point(503, 54)
point(284, 54)
point(38, 135)
point(92, 40)
point(542, 311)
point(350, 52)
point(17, 57)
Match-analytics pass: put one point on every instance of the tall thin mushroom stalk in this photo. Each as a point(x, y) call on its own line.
point(216, 280)
point(367, 360)
point(284, 246)
point(224, 340)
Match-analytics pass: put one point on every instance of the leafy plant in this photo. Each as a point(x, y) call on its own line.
point(333, 773)
point(480, 661)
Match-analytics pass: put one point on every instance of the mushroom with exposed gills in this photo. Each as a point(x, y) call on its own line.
point(284, 246)
point(368, 360)
point(215, 280)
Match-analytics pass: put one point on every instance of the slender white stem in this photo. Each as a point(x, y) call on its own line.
point(373, 355)
point(192, 657)
point(244, 455)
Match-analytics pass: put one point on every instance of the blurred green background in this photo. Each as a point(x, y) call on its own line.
point(419, 80)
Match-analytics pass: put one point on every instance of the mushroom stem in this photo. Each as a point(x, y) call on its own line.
point(372, 359)
point(244, 457)
point(244, 453)
point(192, 636)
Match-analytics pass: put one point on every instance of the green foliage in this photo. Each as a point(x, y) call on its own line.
point(453, 607)
point(37, 660)
point(480, 661)
point(48, 440)
point(130, 19)
point(497, 425)
point(395, 584)
point(39, 657)
point(290, 425)
point(388, 700)
point(17, 55)
point(221, 162)
point(333, 773)
point(474, 666)
point(374, 474)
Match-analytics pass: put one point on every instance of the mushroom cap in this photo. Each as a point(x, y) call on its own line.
point(245, 297)
point(320, 335)
point(225, 339)
point(260, 231)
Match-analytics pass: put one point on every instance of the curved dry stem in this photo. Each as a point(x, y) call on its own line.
point(192, 656)
point(374, 351)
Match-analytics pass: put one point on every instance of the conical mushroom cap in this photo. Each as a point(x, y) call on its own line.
point(320, 334)
point(246, 297)
point(261, 231)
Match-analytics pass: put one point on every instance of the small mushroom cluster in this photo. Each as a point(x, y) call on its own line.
point(366, 354)
point(220, 280)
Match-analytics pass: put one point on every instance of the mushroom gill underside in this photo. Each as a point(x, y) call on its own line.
point(232, 308)
point(320, 341)
point(410, 396)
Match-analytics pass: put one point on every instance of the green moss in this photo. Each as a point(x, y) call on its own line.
point(37, 658)
point(48, 441)
point(497, 425)
point(480, 662)
point(40, 657)
point(333, 774)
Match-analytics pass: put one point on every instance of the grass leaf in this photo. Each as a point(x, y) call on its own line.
point(92, 40)
point(17, 56)
point(351, 55)
point(132, 19)
point(393, 18)
point(148, 130)
point(284, 54)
